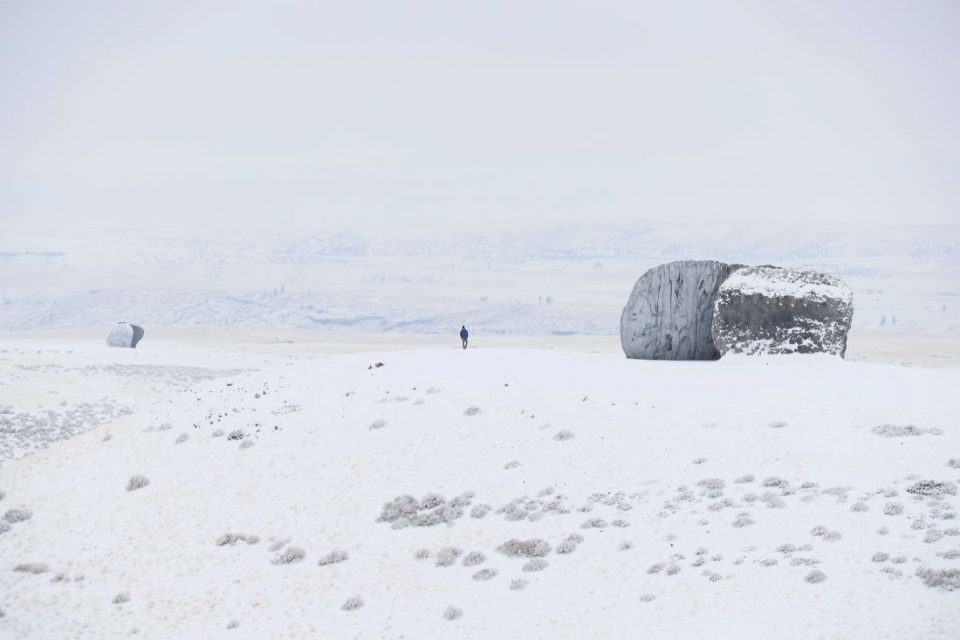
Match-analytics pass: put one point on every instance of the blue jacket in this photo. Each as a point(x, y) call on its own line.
point(463, 334)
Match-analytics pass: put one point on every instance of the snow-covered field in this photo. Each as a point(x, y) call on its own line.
point(555, 493)
point(539, 281)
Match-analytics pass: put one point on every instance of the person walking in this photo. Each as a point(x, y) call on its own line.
point(464, 334)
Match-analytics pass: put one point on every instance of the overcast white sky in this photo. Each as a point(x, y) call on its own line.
point(316, 115)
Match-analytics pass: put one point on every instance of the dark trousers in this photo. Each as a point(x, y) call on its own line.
point(464, 343)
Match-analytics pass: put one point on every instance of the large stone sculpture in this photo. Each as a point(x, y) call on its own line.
point(670, 311)
point(774, 310)
point(124, 334)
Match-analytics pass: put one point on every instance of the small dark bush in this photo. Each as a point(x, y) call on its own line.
point(137, 482)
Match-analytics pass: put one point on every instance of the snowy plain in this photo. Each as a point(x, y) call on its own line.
point(244, 472)
point(531, 282)
point(789, 497)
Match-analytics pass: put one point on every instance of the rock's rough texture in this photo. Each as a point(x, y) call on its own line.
point(124, 334)
point(773, 310)
point(670, 311)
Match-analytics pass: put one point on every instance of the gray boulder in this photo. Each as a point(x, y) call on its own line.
point(773, 310)
point(124, 334)
point(670, 311)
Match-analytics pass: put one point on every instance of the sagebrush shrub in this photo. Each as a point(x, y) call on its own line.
point(137, 482)
point(31, 567)
point(447, 556)
point(352, 603)
point(815, 577)
point(535, 564)
point(932, 488)
point(485, 574)
point(452, 613)
point(532, 548)
point(594, 523)
point(474, 558)
point(567, 546)
point(233, 538)
point(17, 515)
point(333, 557)
point(480, 511)
point(290, 555)
point(120, 598)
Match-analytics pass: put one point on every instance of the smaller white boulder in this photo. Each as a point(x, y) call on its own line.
point(124, 334)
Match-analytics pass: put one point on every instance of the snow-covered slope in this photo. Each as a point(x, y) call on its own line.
point(789, 497)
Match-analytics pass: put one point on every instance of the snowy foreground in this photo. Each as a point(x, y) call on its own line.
point(213, 492)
